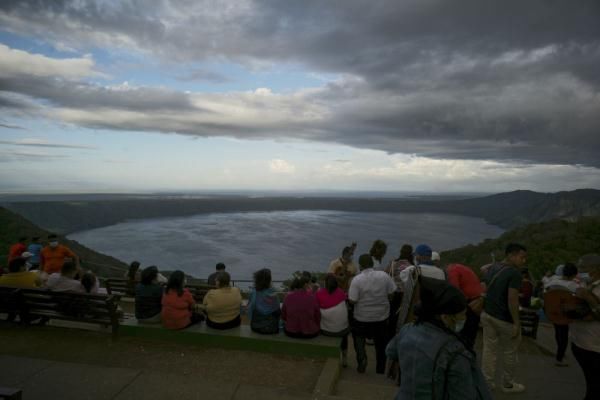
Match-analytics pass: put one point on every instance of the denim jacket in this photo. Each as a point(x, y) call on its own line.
point(435, 365)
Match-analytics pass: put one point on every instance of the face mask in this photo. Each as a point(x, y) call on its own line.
point(459, 325)
point(585, 277)
point(53, 244)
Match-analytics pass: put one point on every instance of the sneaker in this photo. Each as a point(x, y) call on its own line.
point(561, 364)
point(514, 388)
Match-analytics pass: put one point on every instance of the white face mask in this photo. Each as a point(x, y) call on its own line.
point(54, 244)
point(459, 325)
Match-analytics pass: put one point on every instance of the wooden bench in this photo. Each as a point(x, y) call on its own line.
point(120, 286)
point(240, 338)
point(69, 306)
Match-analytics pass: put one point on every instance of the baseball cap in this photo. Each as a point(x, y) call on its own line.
point(423, 250)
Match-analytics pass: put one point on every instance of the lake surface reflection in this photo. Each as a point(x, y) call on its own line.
point(284, 241)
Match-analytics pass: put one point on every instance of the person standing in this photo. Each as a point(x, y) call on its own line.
point(435, 362)
point(585, 334)
point(500, 318)
point(212, 279)
point(35, 249)
point(344, 268)
point(54, 256)
point(377, 252)
point(561, 331)
point(465, 279)
point(17, 249)
point(370, 293)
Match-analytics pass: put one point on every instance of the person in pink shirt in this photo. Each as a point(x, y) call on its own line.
point(334, 313)
point(464, 279)
point(178, 304)
point(300, 310)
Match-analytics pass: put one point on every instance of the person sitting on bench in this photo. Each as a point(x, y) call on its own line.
point(222, 305)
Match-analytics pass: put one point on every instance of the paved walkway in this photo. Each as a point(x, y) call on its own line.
point(536, 370)
point(45, 379)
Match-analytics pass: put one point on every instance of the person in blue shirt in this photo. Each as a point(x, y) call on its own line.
point(35, 249)
point(263, 305)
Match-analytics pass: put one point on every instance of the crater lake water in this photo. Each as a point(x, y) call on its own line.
point(285, 241)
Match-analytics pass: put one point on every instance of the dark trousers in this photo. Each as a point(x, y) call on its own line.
point(224, 325)
point(469, 331)
point(589, 361)
point(376, 331)
point(561, 334)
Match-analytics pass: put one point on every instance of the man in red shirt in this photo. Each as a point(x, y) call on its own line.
point(17, 249)
point(53, 256)
point(463, 278)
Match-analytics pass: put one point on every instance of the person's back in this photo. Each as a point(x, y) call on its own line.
point(370, 291)
point(465, 279)
point(148, 299)
point(435, 365)
point(301, 311)
point(35, 249)
point(17, 249)
point(60, 283)
point(19, 277)
point(223, 304)
point(499, 279)
point(334, 313)
point(176, 311)
point(264, 311)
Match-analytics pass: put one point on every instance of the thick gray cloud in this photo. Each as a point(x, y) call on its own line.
point(472, 79)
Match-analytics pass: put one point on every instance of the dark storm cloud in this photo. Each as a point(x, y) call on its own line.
point(473, 79)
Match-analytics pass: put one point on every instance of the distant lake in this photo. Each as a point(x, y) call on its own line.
point(285, 241)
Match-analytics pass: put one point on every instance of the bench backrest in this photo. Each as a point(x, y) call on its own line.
point(199, 291)
point(125, 287)
point(82, 307)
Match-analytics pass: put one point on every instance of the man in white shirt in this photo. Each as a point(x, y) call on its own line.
point(585, 334)
point(64, 281)
point(370, 292)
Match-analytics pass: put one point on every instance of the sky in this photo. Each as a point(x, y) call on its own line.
point(402, 95)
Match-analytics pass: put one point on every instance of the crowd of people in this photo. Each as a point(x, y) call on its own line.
point(422, 316)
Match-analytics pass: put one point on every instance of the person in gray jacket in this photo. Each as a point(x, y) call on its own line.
point(435, 362)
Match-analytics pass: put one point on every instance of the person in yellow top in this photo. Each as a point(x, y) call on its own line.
point(222, 305)
point(19, 277)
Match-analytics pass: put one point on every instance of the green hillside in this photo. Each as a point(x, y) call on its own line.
point(13, 226)
point(548, 243)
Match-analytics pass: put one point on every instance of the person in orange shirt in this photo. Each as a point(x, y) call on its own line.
point(53, 256)
point(17, 249)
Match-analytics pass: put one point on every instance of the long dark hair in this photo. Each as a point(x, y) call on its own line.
point(149, 274)
point(262, 279)
point(175, 282)
point(133, 268)
point(331, 283)
point(406, 252)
